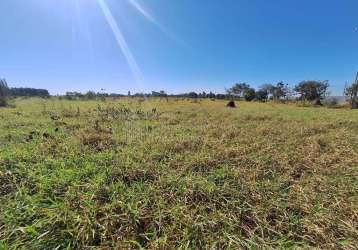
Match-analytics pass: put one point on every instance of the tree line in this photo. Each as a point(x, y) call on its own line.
point(6, 92)
point(312, 91)
point(305, 91)
point(91, 95)
point(18, 92)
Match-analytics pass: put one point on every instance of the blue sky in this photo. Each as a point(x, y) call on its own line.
point(176, 45)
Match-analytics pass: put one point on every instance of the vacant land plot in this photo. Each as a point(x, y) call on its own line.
point(179, 174)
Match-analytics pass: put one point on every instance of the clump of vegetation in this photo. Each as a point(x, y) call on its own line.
point(97, 140)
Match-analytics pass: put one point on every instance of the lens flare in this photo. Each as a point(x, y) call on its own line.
point(142, 11)
point(121, 41)
point(83, 27)
point(151, 19)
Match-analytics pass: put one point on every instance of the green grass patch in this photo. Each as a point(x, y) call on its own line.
point(129, 174)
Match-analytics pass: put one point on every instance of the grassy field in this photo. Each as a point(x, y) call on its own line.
point(182, 174)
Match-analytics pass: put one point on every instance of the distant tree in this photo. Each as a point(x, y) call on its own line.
point(142, 95)
point(115, 95)
point(211, 95)
point(90, 95)
point(193, 95)
point(249, 94)
point(312, 90)
point(202, 95)
point(159, 94)
point(70, 96)
point(4, 92)
point(74, 95)
point(269, 88)
point(238, 89)
point(351, 92)
point(102, 96)
point(261, 95)
point(30, 92)
point(278, 91)
point(221, 96)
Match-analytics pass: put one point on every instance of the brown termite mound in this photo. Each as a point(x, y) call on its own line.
point(231, 104)
point(317, 102)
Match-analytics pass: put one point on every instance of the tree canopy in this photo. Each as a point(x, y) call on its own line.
point(249, 94)
point(238, 89)
point(278, 91)
point(312, 90)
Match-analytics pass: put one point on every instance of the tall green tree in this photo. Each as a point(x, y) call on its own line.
point(249, 94)
point(261, 95)
point(4, 92)
point(278, 91)
point(312, 90)
point(238, 89)
point(352, 93)
point(90, 95)
point(281, 90)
